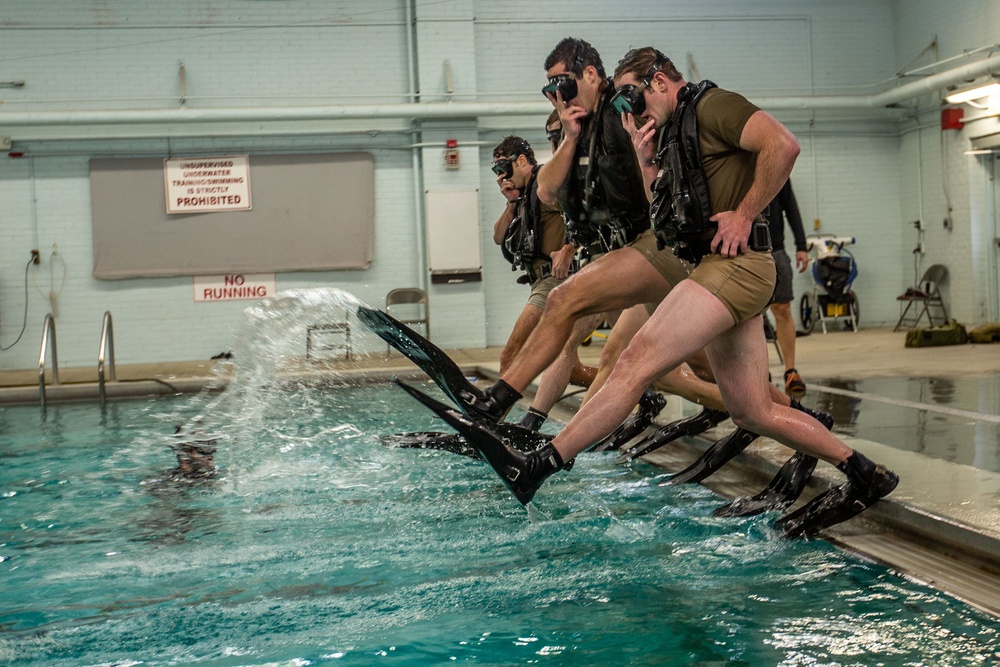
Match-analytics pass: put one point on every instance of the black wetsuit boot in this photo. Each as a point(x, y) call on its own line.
point(866, 483)
point(495, 402)
point(523, 473)
point(533, 419)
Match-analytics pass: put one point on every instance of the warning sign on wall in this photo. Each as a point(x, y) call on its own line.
point(235, 287)
point(206, 184)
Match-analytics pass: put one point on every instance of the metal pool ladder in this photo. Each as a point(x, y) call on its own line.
point(48, 328)
point(108, 347)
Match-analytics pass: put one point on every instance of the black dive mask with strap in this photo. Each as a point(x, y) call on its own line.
point(681, 208)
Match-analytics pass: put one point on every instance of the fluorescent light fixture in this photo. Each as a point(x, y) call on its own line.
point(979, 151)
point(984, 90)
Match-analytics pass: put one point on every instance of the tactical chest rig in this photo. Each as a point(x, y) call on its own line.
point(522, 242)
point(681, 208)
point(681, 211)
point(601, 211)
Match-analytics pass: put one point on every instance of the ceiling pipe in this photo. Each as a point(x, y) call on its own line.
point(456, 110)
point(888, 98)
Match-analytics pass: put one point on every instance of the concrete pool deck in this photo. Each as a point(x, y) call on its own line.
point(942, 525)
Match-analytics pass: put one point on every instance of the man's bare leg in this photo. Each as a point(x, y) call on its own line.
point(525, 324)
point(615, 281)
point(556, 377)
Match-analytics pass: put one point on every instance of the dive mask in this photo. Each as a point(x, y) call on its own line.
point(629, 99)
point(503, 167)
point(563, 83)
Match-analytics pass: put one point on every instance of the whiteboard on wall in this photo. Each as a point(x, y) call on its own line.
point(453, 238)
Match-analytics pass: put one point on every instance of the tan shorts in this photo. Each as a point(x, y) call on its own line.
point(671, 267)
point(540, 291)
point(744, 283)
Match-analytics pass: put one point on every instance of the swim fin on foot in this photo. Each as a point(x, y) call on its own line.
point(446, 442)
point(451, 442)
point(694, 425)
point(650, 405)
point(713, 458)
point(441, 368)
point(781, 492)
point(522, 458)
point(867, 482)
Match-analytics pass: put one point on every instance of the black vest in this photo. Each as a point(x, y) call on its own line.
point(681, 208)
point(603, 196)
point(522, 242)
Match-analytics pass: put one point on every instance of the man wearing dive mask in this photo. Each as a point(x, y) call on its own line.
point(746, 156)
point(594, 177)
point(531, 235)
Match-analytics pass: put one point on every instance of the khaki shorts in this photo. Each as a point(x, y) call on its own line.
point(744, 283)
point(540, 291)
point(671, 267)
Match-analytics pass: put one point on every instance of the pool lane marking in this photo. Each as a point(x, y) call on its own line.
point(903, 403)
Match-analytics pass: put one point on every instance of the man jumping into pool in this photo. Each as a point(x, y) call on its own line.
point(720, 161)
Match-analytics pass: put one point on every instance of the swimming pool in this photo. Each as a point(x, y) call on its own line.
point(316, 545)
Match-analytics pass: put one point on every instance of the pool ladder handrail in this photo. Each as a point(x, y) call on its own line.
point(48, 328)
point(108, 348)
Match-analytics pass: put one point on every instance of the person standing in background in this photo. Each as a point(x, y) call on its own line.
point(781, 305)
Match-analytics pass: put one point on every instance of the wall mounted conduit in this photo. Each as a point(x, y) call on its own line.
point(121, 120)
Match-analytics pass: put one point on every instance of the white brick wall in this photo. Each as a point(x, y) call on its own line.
point(84, 54)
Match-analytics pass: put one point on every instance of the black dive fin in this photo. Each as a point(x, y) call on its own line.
point(836, 505)
point(446, 442)
point(455, 443)
point(506, 460)
point(650, 405)
point(716, 456)
point(781, 492)
point(700, 422)
point(445, 373)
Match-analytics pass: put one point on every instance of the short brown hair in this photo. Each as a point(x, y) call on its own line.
point(576, 55)
point(640, 62)
point(553, 117)
point(512, 146)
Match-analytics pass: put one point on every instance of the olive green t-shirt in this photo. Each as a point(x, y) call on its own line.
point(729, 169)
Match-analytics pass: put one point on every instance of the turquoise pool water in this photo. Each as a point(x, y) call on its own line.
point(316, 545)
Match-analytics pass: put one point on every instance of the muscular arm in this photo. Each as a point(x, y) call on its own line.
point(644, 143)
point(554, 173)
point(776, 150)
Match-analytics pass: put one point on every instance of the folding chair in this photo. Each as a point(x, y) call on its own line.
point(413, 296)
point(926, 295)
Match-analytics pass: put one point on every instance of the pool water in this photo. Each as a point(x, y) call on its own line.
point(317, 545)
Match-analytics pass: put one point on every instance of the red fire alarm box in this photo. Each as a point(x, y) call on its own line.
point(451, 154)
point(951, 118)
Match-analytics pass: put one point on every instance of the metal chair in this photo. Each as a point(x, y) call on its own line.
point(410, 296)
point(927, 295)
